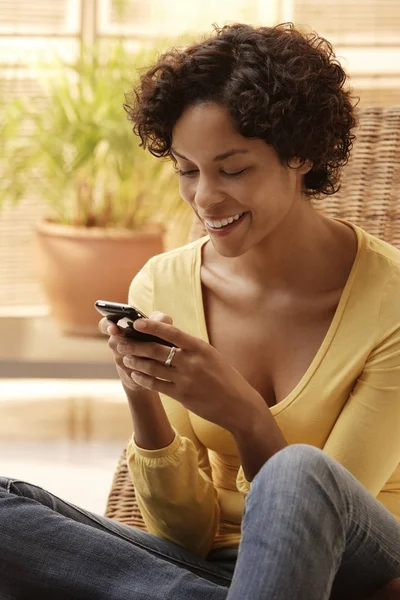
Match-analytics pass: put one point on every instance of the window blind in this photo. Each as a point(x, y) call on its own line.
point(362, 22)
point(160, 18)
point(46, 17)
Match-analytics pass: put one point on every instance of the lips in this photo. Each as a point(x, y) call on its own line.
point(223, 222)
point(225, 229)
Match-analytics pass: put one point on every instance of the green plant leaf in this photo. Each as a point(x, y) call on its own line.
point(77, 145)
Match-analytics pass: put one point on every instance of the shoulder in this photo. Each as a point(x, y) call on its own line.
point(164, 273)
point(379, 261)
point(381, 272)
point(176, 288)
point(177, 263)
point(383, 252)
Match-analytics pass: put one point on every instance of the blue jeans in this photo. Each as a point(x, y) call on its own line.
point(310, 532)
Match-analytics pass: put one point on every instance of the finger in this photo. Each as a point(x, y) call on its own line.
point(159, 316)
point(151, 383)
point(126, 378)
point(108, 327)
point(151, 350)
point(150, 367)
point(168, 333)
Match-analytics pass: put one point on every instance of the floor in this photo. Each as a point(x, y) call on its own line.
point(80, 472)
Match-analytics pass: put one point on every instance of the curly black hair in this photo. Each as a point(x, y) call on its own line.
point(279, 85)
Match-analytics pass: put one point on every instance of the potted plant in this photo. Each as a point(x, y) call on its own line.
point(110, 202)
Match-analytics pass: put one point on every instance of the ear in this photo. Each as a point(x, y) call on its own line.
point(297, 164)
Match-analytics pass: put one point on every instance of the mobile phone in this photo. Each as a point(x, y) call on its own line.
point(124, 315)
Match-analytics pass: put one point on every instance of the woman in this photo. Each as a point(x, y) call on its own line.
point(281, 394)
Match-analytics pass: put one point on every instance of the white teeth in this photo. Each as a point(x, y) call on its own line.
point(223, 222)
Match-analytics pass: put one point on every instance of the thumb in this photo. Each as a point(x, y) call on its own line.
point(159, 316)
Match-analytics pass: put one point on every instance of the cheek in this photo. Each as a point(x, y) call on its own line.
point(281, 184)
point(269, 198)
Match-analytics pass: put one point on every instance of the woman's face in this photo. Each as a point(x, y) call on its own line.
point(225, 176)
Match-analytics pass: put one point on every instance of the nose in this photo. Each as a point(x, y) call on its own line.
point(207, 194)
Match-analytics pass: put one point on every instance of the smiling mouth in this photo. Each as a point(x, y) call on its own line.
point(217, 224)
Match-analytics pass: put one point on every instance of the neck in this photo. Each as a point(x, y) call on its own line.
point(305, 252)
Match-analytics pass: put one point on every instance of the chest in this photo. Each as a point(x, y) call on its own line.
point(271, 341)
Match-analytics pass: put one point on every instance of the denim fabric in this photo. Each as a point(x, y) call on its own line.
point(310, 531)
point(51, 549)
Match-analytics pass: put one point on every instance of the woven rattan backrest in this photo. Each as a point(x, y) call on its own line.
point(369, 197)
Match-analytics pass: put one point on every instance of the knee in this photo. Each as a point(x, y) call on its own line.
point(301, 456)
point(295, 465)
point(297, 456)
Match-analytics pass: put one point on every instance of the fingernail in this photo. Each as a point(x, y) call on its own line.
point(109, 330)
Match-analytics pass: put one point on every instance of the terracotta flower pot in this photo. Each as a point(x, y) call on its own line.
point(78, 265)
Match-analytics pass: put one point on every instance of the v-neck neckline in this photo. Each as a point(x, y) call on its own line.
point(330, 334)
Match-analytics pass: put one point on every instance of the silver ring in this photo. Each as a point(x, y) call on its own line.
point(170, 356)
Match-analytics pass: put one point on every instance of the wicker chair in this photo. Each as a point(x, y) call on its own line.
point(369, 197)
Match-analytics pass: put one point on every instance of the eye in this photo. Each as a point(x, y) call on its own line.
point(185, 173)
point(189, 173)
point(234, 174)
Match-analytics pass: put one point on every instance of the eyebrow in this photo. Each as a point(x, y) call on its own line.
point(216, 158)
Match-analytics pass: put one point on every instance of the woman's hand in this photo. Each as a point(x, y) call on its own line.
point(199, 378)
point(116, 337)
point(152, 429)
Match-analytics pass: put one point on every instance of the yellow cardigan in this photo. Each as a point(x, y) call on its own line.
point(347, 403)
